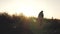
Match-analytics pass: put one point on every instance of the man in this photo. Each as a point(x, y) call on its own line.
point(41, 14)
point(40, 17)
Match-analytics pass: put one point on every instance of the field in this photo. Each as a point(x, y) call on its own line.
point(20, 24)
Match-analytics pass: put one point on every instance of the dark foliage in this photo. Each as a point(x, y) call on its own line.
point(12, 24)
point(21, 25)
point(52, 27)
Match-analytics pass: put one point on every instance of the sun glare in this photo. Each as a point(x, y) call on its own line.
point(30, 7)
point(26, 10)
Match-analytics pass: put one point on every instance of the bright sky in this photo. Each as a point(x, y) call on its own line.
point(32, 7)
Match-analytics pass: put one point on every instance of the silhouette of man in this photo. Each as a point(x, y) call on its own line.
point(40, 17)
point(41, 14)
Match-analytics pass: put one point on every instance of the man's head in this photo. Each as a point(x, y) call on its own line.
point(42, 11)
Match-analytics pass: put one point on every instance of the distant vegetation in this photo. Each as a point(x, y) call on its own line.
point(27, 25)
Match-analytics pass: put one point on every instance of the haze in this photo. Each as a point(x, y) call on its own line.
point(51, 8)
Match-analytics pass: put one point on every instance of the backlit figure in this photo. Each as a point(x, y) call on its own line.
point(40, 17)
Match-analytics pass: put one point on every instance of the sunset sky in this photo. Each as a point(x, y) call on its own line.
point(31, 7)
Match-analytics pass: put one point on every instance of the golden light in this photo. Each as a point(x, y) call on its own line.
point(31, 7)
